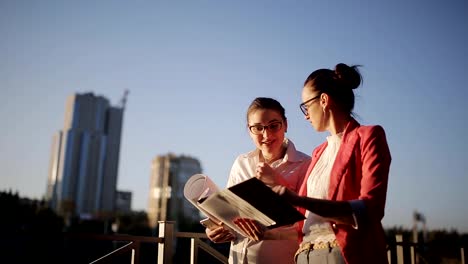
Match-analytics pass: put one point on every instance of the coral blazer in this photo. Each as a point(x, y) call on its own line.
point(360, 173)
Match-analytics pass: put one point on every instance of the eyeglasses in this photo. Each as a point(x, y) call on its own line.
point(303, 106)
point(273, 127)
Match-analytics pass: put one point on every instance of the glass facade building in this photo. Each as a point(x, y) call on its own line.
point(84, 157)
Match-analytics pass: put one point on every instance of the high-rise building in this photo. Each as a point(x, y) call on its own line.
point(123, 201)
point(166, 202)
point(85, 157)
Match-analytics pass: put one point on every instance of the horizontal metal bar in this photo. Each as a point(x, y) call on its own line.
point(191, 235)
point(114, 237)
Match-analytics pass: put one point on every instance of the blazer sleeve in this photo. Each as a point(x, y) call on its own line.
point(375, 160)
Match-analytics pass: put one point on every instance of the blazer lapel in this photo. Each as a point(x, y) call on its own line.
point(343, 158)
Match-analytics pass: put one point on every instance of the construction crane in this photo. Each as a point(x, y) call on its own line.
point(123, 101)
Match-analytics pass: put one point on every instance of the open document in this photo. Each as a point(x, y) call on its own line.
point(248, 199)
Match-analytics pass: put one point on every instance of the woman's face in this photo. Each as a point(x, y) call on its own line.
point(268, 140)
point(312, 108)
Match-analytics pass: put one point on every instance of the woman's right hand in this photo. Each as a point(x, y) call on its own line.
point(220, 234)
point(289, 195)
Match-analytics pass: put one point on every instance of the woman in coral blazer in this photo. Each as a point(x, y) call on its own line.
point(344, 191)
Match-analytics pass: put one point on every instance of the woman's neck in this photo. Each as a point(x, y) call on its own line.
point(272, 158)
point(338, 123)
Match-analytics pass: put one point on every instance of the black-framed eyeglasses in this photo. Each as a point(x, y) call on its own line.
point(258, 129)
point(303, 106)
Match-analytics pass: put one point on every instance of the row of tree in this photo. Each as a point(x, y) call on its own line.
point(31, 231)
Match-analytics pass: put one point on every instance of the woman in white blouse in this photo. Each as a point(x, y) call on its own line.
point(275, 160)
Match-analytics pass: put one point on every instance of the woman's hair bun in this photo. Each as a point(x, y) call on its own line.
point(347, 77)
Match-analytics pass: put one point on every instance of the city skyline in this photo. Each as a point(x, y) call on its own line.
point(192, 69)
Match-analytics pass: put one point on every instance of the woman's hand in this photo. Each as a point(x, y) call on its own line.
point(252, 228)
point(266, 174)
point(289, 195)
point(220, 235)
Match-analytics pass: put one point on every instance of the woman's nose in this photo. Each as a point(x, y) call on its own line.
point(266, 132)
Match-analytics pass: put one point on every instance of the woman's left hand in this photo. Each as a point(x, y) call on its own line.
point(252, 228)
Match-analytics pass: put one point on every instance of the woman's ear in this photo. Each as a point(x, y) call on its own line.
point(285, 126)
point(324, 100)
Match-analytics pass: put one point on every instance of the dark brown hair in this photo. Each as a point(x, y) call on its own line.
point(338, 84)
point(266, 103)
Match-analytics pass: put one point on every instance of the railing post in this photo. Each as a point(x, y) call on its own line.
point(136, 253)
point(462, 251)
point(399, 248)
point(389, 256)
point(413, 254)
point(193, 250)
point(166, 232)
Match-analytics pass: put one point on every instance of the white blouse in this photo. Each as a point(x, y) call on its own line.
point(292, 168)
point(317, 229)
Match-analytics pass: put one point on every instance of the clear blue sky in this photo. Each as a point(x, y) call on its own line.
point(193, 67)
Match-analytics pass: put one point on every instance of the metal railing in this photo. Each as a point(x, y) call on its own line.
point(165, 242)
point(400, 246)
point(167, 236)
point(133, 245)
point(196, 243)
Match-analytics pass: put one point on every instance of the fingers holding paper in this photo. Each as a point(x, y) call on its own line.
point(220, 234)
point(252, 228)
